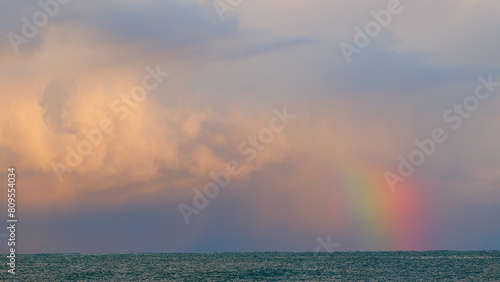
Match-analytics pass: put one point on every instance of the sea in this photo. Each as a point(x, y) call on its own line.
point(265, 266)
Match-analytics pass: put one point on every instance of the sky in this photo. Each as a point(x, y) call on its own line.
point(214, 126)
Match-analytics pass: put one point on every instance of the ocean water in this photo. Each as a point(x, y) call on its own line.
point(336, 266)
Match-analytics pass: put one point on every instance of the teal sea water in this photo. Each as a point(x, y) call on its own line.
point(337, 266)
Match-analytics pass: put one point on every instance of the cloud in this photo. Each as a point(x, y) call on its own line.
point(225, 79)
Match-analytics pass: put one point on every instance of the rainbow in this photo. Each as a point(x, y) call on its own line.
point(369, 214)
